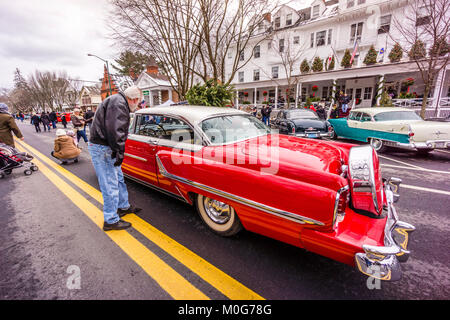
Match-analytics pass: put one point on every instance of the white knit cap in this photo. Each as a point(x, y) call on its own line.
point(60, 132)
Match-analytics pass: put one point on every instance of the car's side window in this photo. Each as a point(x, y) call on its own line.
point(148, 125)
point(365, 117)
point(176, 130)
point(354, 116)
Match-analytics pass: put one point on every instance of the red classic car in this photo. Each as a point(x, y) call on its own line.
point(324, 196)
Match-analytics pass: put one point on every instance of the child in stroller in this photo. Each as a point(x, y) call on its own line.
point(11, 159)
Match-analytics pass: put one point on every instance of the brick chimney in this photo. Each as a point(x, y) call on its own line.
point(152, 66)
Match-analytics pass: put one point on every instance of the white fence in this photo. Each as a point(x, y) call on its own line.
point(442, 110)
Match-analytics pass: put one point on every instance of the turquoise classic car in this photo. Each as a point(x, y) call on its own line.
point(392, 127)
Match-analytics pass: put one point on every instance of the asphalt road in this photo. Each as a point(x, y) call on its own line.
point(46, 235)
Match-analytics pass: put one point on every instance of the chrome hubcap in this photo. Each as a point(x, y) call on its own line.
point(219, 212)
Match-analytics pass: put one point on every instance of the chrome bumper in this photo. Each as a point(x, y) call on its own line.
point(430, 144)
point(383, 262)
point(319, 135)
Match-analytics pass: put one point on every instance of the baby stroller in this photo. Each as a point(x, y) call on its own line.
point(11, 159)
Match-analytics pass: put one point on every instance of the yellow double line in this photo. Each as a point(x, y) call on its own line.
point(170, 280)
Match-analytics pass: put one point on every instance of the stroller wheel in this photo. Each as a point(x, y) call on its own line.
point(8, 172)
point(28, 172)
point(34, 168)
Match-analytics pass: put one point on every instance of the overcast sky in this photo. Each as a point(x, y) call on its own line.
point(53, 35)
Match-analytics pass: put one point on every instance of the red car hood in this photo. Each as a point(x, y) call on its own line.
point(296, 152)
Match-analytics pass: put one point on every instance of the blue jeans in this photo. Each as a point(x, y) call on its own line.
point(54, 124)
point(81, 134)
point(110, 179)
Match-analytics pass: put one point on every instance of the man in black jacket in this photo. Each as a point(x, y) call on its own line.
point(109, 132)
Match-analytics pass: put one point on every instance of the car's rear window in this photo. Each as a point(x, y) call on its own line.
point(396, 115)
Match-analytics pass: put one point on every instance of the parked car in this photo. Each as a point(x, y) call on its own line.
point(68, 116)
point(323, 196)
point(301, 123)
point(392, 127)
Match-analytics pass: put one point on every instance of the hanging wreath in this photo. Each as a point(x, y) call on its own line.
point(314, 88)
point(358, 101)
point(409, 82)
point(246, 94)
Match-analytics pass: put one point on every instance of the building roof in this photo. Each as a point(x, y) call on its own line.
point(92, 90)
point(193, 114)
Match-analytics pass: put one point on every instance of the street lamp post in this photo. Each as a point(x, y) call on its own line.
point(107, 70)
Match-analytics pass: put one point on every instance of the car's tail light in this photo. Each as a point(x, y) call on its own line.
point(365, 181)
point(411, 134)
point(293, 129)
point(342, 199)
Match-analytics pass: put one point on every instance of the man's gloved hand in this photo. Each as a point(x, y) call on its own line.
point(119, 158)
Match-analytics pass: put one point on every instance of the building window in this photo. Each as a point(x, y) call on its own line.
point(315, 11)
point(325, 93)
point(423, 16)
point(281, 45)
point(385, 24)
point(358, 93)
point(256, 75)
point(257, 52)
point(312, 40)
point(274, 72)
point(296, 40)
point(320, 38)
point(350, 3)
point(367, 93)
point(241, 76)
point(241, 56)
point(277, 22)
point(330, 35)
point(289, 19)
point(361, 2)
point(356, 32)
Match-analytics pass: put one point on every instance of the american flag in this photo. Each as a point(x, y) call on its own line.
point(355, 50)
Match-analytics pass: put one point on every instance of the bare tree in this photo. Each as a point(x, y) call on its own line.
point(73, 92)
point(189, 38)
point(425, 22)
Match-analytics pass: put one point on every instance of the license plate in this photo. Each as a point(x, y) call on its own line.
point(439, 145)
point(312, 135)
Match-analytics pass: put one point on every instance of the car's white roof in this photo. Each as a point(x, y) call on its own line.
point(194, 114)
point(376, 110)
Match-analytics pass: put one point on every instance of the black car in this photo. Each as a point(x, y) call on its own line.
point(301, 123)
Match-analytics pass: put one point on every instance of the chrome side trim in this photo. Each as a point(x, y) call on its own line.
point(274, 211)
point(156, 188)
point(135, 157)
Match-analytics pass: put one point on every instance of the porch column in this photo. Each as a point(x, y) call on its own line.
point(159, 97)
point(333, 97)
point(236, 105)
point(437, 93)
point(254, 98)
point(296, 94)
point(152, 103)
point(276, 97)
point(380, 89)
point(170, 95)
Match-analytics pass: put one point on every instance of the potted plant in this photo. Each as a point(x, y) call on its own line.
point(346, 59)
point(317, 65)
point(371, 57)
point(396, 53)
point(304, 67)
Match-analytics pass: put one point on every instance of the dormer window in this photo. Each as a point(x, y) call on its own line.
point(277, 22)
point(289, 19)
point(315, 11)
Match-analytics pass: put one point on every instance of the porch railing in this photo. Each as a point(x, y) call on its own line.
point(442, 110)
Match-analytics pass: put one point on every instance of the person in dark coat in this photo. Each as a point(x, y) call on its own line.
point(88, 117)
point(8, 126)
point(45, 121)
point(53, 118)
point(107, 148)
point(35, 120)
point(64, 121)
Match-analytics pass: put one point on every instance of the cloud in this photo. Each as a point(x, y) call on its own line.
point(53, 35)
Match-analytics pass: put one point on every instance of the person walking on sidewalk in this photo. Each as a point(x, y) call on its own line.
point(88, 117)
point(45, 121)
point(109, 132)
point(35, 120)
point(7, 126)
point(78, 125)
point(53, 118)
